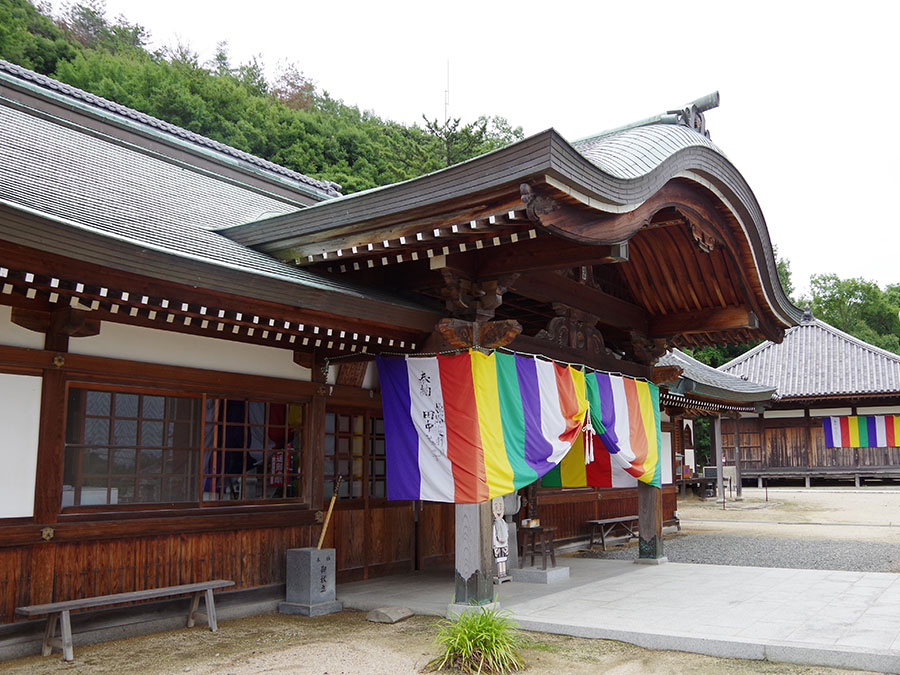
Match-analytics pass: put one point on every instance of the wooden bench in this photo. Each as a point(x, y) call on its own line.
point(606, 525)
point(58, 612)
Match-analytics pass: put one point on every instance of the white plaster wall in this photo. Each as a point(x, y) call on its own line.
point(879, 410)
point(830, 412)
point(12, 335)
point(20, 412)
point(119, 341)
point(666, 473)
point(777, 414)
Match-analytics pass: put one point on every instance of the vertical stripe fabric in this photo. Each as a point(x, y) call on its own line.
point(870, 431)
point(468, 427)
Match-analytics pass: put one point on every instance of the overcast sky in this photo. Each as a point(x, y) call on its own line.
point(809, 91)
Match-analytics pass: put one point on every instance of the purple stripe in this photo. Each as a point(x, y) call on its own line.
point(826, 427)
point(537, 448)
point(873, 435)
point(608, 413)
point(400, 436)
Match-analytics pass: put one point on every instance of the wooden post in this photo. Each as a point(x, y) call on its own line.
point(737, 455)
point(650, 539)
point(474, 559)
point(716, 441)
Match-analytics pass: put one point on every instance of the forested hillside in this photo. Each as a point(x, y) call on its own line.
point(288, 121)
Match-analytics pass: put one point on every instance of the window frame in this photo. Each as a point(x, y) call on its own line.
point(370, 436)
point(200, 394)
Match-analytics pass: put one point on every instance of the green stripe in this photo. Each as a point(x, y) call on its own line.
point(863, 425)
point(512, 419)
point(553, 478)
point(592, 393)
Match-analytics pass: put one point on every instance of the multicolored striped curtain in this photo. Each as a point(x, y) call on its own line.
point(467, 427)
point(875, 431)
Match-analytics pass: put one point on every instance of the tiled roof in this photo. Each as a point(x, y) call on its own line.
point(633, 153)
point(708, 381)
point(327, 188)
point(98, 184)
point(816, 359)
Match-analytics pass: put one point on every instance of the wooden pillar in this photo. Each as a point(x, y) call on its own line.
point(474, 575)
point(737, 455)
point(650, 539)
point(315, 425)
point(716, 442)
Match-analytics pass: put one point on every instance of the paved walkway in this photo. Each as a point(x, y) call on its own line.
point(816, 617)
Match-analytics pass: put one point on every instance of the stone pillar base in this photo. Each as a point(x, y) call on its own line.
point(651, 561)
point(310, 610)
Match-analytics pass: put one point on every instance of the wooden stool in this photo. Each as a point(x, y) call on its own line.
point(541, 539)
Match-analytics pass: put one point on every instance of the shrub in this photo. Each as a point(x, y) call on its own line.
point(479, 641)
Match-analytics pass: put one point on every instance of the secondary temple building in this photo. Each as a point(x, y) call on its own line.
point(836, 411)
point(186, 331)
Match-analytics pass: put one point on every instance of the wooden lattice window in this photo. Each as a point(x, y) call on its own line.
point(150, 447)
point(354, 449)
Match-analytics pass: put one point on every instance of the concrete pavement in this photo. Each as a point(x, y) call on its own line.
point(815, 617)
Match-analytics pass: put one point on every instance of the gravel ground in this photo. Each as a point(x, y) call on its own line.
point(717, 549)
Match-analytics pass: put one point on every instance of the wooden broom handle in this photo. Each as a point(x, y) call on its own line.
point(330, 509)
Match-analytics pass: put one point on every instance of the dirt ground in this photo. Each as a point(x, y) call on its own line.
point(864, 514)
point(346, 643)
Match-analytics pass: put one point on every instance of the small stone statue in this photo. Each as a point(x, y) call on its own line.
point(500, 540)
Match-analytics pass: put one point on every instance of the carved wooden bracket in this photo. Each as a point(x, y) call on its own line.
point(666, 374)
point(478, 300)
point(536, 205)
point(643, 349)
point(574, 328)
point(704, 240)
point(459, 334)
point(65, 321)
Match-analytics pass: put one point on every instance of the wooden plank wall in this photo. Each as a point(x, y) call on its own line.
point(797, 443)
point(569, 509)
point(250, 557)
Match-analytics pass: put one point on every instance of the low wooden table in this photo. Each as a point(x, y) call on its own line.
point(58, 612)
point(605, 526)
point(541, 540)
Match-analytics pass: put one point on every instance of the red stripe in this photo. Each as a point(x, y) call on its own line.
point(599, 472)
point(463, 432)
point(845, 432)
point(636, 426)
point(889, 430)
point(568, 403)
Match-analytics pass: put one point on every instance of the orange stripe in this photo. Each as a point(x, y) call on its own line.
point(636, 426)
point(568, 403)
point(463, 430)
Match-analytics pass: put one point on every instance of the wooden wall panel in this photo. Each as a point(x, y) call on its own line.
point(436, 535)
point(251, 557)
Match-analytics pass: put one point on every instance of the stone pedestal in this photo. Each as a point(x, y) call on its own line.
point(310, 582)
point(537, 575)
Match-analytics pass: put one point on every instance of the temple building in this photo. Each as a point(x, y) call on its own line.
point(826, 381)
point(187, 331)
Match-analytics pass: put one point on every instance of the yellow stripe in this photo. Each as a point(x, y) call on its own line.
point(896, 429)
point(578, 381)
point(643, 390)
point(498, 472)
point(571, 469)
point(853, 424)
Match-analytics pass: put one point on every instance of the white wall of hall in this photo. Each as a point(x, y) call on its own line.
point(20, 413)
point(134, 343)
point(12, 335)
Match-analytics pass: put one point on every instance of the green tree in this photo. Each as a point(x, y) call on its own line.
point(858, 307)
point(30, 38)
point(459, 142)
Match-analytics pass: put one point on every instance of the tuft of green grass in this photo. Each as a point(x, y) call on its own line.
point(479, 641)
